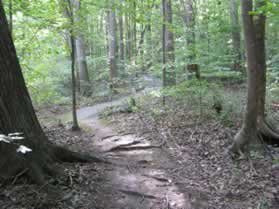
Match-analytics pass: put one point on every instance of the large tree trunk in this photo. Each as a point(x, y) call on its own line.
point(235, 34)
point(16, 111)
point(169, 44)
point(265, 129)
point(259, 23)
point(11, 16)
point(254, 123)
point(112, 46)
point(17, 115)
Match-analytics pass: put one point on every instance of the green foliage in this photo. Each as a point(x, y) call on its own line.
point(201, 96)
point(194, 89)
point(41, 29)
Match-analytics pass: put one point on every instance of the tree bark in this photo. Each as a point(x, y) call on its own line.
point(121, 37)
point(134, 44)
point(16, 111)
point(11, 16)
point(140, 49)
point(75, 126)
point(148, 42)
point(17, 115)
point(164, 77)
point(81, 60)
point(70, 13)
point(235, 34)
point(254, 124)
point(189, 21)
point(112, 46)
point(80, 51)
point(128, 37)
point(259, 23)
point(169, 44)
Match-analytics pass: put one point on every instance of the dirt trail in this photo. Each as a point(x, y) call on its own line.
point(138, 176)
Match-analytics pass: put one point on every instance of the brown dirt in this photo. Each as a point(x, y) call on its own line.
point(190, 171)
point(139, 174)
point(203, 172)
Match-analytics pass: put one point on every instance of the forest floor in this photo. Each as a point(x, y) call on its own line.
point(171, 160)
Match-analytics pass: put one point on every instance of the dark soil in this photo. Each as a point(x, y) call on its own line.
point(167, 160)
point(200, 167)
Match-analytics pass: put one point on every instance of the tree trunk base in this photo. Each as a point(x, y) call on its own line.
point(75, 128)
point(268, 131)
point(244, 137)
point(64, 155)
point(37, 165)
point(241, 140)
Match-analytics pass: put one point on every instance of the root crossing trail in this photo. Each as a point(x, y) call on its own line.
point(138, 176)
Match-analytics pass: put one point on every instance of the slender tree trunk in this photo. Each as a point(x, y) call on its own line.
point(81, 59)
point(112, 46)
point(235, 34)
point(164, 48)
point(90, 30)
point(107, 19)
point(140, 50)
point(134, 28)
point(169, 44)
point(149, 43)
point(189, 21)
point(80, 52)
point(77, 84)
point(75, 126)
point(70, 11)
point(126, 31)
point(121, 37)
point(129, 39)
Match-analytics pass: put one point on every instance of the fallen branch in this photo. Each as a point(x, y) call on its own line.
point(65, 155)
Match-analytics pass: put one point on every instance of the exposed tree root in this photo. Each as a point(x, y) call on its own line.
point(131, 148)
point(267, 130)
point(241, 139)
point(161, 179)
point(37, 164)
point(64, 155)
point(244, 137)
point(135, 193)
point(123, 146)
point(126, 134)
point(107, 137)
